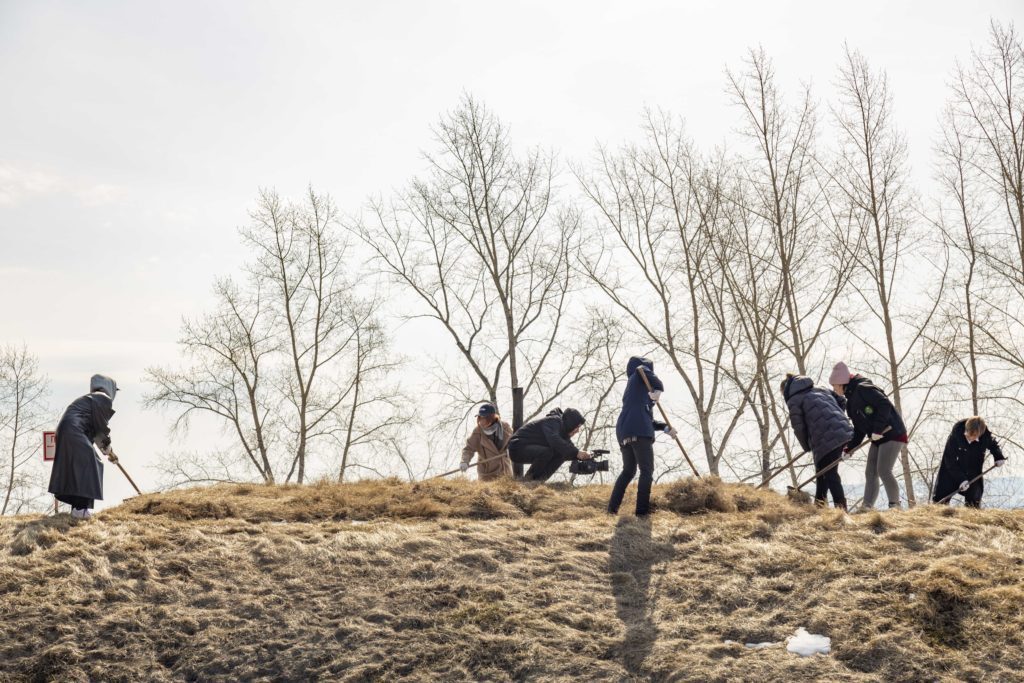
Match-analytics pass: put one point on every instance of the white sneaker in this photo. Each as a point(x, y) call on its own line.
point(84, 513)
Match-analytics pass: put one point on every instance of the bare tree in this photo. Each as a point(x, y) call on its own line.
point(483, 249)
point(657, 210)
point(787, 193)
point(293, 363)
point(23, 415)
point(231, 358)
point(871, 172)
point(988, 116)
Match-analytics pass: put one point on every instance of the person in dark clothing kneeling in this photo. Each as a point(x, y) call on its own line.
point(819, 422)
point(545, 443)
point(962, 461)
point(635, 431)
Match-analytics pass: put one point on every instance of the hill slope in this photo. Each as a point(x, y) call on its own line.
point(463, 581)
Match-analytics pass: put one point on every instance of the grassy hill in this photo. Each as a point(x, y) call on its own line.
point(464, 581)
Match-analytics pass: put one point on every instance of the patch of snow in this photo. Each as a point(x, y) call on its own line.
point(357, 522)
point(912, 596)
point(760, 646)
point(806, 644)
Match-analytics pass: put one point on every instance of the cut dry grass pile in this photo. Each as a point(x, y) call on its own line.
point(461, 581)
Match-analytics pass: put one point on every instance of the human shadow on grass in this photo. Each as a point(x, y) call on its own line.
point(631, 560)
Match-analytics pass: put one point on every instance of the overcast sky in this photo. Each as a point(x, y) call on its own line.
point(134, 135)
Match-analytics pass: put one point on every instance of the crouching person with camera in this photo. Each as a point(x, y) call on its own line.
point(546, 443)
point(635, 430)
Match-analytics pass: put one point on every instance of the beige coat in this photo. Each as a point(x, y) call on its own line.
point(483, 446)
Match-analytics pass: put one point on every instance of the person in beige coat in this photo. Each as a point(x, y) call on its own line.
point(489, 442)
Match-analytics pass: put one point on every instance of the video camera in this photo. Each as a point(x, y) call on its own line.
point(596, 464)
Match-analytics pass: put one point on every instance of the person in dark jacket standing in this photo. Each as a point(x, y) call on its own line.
point(77, 475)
point(819, 421)
point(875, 417)
point(635, 430)
point(962, 461)
point(546, 443)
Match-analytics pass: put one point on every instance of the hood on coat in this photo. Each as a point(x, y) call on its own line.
point(103, 383)
point(571, 419)
point(794, 385)
point(637, 361)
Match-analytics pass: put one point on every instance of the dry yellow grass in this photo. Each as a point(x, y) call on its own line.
point(463, 581)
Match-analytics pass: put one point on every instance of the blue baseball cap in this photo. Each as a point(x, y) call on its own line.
point(486, 410)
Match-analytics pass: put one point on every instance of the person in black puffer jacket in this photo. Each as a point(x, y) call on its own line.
point(545, 443)
point(963, 459)
point(820, 425)
point(873, 416)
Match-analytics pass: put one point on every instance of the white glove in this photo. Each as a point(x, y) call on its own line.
point(876, 437)
point(655, 395)
point(671, 431)
point(1000, 463)
point(464, 466)
point(964, 486)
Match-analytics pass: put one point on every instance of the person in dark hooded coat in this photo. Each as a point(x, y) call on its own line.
point(635, 430)
point(77, 475)
point(819, 421)
point(962, 461)
point(545, 443)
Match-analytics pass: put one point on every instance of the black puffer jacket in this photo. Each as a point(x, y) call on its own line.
point(551, 431)
point(872, 413)
point(817, 417)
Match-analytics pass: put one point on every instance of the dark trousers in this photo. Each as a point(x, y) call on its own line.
point(972, 496)
point(76, 502)
point(640, 454)
point(830, 481)
point(543, 461)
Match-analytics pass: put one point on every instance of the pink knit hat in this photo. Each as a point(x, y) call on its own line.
point(840, 374)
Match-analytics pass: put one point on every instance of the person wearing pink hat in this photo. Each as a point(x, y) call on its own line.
point(873, 415)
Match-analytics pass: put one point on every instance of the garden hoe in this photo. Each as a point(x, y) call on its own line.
point(643, 376)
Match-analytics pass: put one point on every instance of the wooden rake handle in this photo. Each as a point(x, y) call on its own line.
point(475, 464)
point(969, 485)
point(643, 376)
point(781, 469)
point(827, 468)
point(114, 459)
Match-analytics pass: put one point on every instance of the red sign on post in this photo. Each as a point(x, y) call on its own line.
point(49, 446)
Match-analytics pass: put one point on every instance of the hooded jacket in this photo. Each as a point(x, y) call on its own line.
point(818, 417)
point(551, 431)
point(872, 412)
point(77, 469)
point(636, 418)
